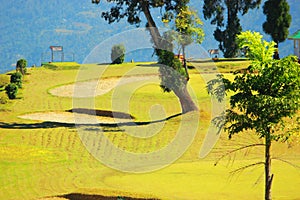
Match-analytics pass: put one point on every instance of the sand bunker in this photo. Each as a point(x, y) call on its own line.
point(89, 89)
point(95, 88)
point(73, 118)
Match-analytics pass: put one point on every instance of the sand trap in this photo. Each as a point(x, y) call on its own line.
point(73, 118)
point(95, 88)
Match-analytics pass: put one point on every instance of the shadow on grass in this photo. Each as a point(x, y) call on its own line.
point(77, 196)
point(35, 125)
point(219, 60)
point(102, 113)
point(149, 65)
point(107, 127)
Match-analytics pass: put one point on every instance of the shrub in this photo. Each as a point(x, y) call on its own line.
point(3, 99)
point(118, 54)
point(11, 90)
point(21, 66)
point(17, 79)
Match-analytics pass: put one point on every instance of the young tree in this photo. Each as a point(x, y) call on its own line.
point(264, 96)
point(117, 54)
point(214, 10)
point(21, 66)
point(131, 9)
point(189, 27)
point(278, 19)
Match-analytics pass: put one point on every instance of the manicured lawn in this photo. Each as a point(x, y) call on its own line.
point(43, 159)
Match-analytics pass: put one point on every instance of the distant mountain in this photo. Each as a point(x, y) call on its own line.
point(29, 27)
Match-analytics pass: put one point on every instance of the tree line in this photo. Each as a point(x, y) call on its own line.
point(225, 15)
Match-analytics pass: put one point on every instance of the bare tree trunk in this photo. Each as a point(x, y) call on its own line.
point(187, 104)
point(268, 176)
point(152, 26)
point(184, 64)
point(185, 99)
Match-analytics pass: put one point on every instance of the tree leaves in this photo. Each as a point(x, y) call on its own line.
point(265, 94)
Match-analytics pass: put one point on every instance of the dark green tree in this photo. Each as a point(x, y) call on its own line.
point(131, 10)
point(215, 10)
point(11, 90)
point(264, 96)
point(117, 54)
point(278, 19)
point(21, 66)
point(17, 79)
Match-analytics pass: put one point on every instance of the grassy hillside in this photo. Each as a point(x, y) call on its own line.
point(40, 159)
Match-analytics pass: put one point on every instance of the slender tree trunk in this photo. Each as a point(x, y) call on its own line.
point(268, 176)
point(182, 93)
point(184, 64)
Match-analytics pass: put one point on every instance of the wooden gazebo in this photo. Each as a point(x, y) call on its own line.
point(296, 38)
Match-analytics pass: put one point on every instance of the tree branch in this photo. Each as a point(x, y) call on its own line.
point(247, 166)
point(238, 149)
point(287, 162)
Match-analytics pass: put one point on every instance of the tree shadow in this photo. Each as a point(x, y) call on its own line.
point(104, 64)
point(78, 196)
point(102, 113)
point(149, 65)
point(107, 127)
point(210, 60)
point(38, 125)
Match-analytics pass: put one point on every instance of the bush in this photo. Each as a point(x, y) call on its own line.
point(11, 90)
point(17, 79)
point(3, 99)
point(21, 66)
point(117, 54)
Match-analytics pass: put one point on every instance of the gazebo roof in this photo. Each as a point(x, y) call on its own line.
point(295, 36)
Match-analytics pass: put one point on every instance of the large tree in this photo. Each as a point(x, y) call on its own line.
point(278, 19)
point(265, 95)
point(215, 10)
point(171, 70)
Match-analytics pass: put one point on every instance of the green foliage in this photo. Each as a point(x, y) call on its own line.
point(262, 100)
point(214, 10)
point(173, 75)
point(131, 9)
point(17, 79)
point(256, 48)
point(265, 94)
point(278, 19)
point(11, 90)
point(21, 66)
point(189, 25)
point(118, 54)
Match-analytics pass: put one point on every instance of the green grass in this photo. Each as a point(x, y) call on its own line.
point(61, 65)
point(46, 159)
